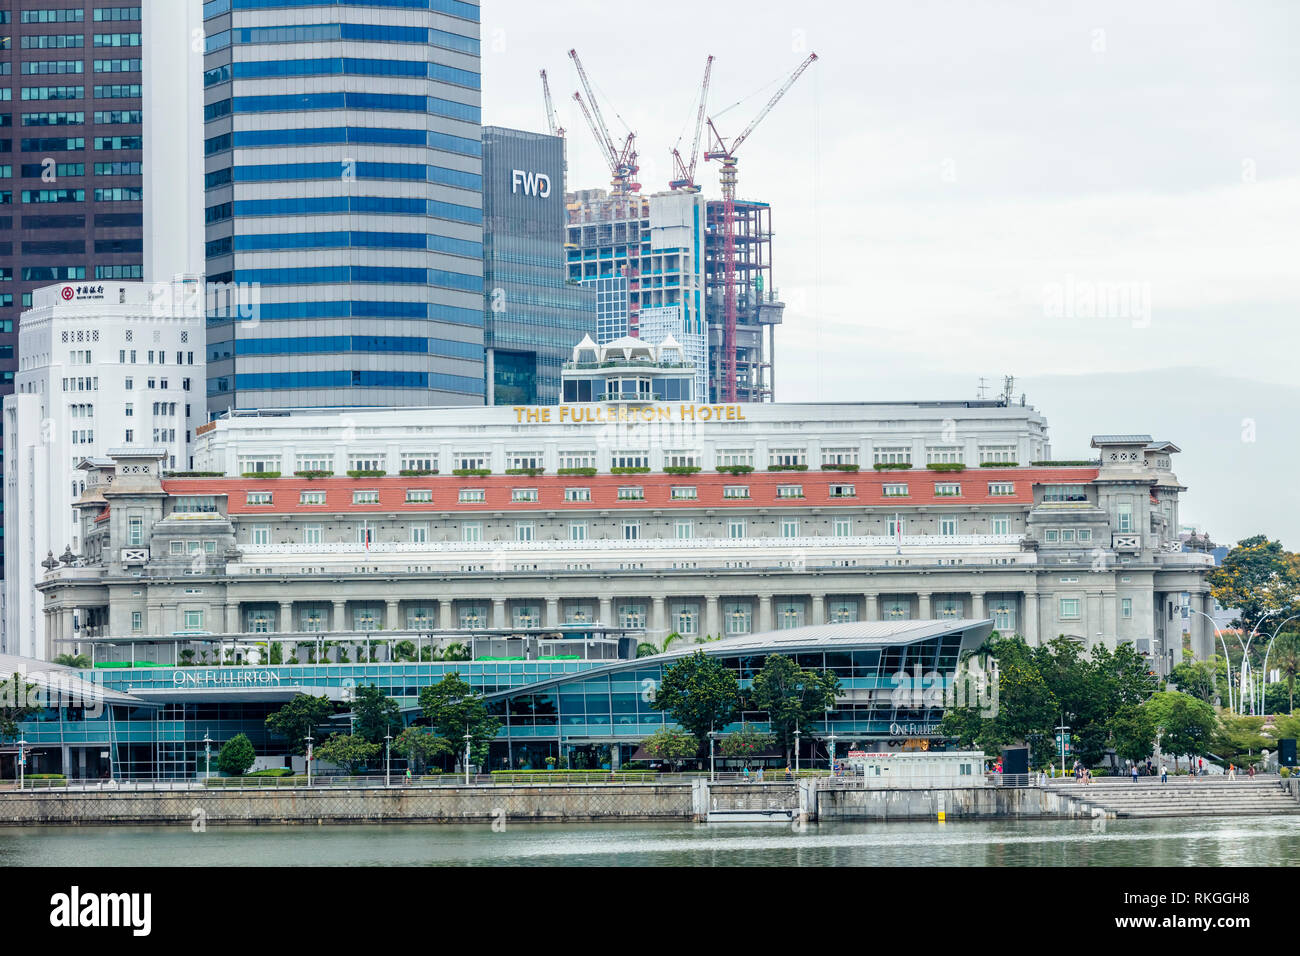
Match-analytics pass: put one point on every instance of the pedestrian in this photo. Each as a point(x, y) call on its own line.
point(1164, 774)
point(746, 773)
point(408, 776)
point(1202, 770)
point(1232, 771)
point(1251, 772)
point(1135, 773)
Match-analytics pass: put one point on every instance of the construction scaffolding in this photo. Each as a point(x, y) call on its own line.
point(758, 309)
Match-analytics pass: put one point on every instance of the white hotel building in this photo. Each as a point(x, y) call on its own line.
point(704, 520)
point(103, 366)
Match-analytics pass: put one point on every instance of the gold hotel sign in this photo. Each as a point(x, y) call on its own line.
point(606, 415)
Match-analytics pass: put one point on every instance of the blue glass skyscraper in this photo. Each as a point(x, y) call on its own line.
point(344, 203)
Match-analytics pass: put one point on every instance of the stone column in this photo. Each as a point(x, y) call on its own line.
point(871, 606)
point(764, 613)
point(819, 608)
point(658, 619)
point(286, 617)
point(1092, 621)
point(552, 618)
point(339, 620)
point(499, 612)
point(232, 617)
point(444, 614)
point(712, 616)
point(1109, 619)
point(392, 619)
point(1029, 627)
point(924, 611)
point(607, 611)
point(977, 605)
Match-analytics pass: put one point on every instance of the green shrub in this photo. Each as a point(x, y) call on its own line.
point(260, 474)
point(363, 473)
point(236, 756)
point(577, 472)
point(1065, 464)
point(839, 467)
point(893, 466)
point(273, 772)
point(1284, 772)
point(629, 470)
point(787, 467)
point(999, 464)
point(417, 472)
point(681, 469)
point(313, 474)
point(471, 472)
point(196, 474)
point(530, 472)
point(946, 466)
point(45, 776)
point(735, 469)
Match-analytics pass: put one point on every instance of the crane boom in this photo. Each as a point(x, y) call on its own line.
point(551, 118)
point(685, 172)
point(724, 150)
point(622, 164)
point(602, 129)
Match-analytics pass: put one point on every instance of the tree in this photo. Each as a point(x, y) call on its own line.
point(1027, 707)
point(1132, 733)
point(17, 703)
point(350, 751)
point(745, 743)
point(1256, 577)
point(236, 756)
point(1200, 678)
point(700, 694)
point(792, 696)
point(1287, 654)
point(453, 709)
point(1184, 724)
point(1238, 738)
point(296, 720)
point(421, 745)
point(672, 745)
point(376, 714)
point(80, 661)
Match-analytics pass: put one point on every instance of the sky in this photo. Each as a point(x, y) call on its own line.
point(1099, 198)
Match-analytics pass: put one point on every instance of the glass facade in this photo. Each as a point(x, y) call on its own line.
point(533, 316)
point(344, 203)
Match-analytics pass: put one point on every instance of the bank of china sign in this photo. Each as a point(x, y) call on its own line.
point(604, 415)
point(232, 677)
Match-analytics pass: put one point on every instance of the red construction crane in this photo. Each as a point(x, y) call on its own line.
point(684, 177)
point(721, 150)
point(552, 119)
point(622, 162)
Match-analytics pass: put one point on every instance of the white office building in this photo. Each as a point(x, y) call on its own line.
point(104, 367)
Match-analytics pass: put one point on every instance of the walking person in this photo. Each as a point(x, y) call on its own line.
point(1251, 772)
point(1232, 771)
point(1135, 773)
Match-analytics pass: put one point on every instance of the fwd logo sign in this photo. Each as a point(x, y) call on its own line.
point(531, 184)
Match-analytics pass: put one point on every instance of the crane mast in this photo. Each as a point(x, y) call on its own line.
point(551, 119)
point(684, 177)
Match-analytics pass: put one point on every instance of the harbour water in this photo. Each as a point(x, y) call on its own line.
point(1200, 842)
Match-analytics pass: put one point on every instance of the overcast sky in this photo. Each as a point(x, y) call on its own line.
point(1100, 198)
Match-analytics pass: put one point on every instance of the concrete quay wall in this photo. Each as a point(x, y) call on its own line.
point(956, 804)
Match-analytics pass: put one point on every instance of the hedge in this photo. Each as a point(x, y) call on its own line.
point(735, 469)
point(272, 772)
point(417, 472)
point(787, 467)
point(1065, 464)
point(839, 467)
point(946, 466)
point(363, 473)
point(260, 474)
point(313, 474)
point(629, 470)
point(893, 466)
point(196, 474)
point(471, 472)
point(681, 469)
point(578, 472)
point(530, 472)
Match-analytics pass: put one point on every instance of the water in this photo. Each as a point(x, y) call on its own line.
point(1201, 842)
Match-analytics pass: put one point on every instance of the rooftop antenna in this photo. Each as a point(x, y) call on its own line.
point(984, 388)
point(1008, 389)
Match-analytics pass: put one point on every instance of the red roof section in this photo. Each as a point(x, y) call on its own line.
point(869, 487)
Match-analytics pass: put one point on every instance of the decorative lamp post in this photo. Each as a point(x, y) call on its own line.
point(207, 755)
point(468, 738)
point(797, 735)
point(22, 762)
point(308, 739)
point(713, 735)
point(388, 746)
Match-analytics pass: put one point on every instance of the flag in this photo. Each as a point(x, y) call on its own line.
point(365, 533)
point(898, 533)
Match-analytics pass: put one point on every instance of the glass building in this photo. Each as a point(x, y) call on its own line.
point(533, 314)
point(344, 203)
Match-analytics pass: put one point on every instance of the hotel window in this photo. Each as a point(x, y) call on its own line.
point(839, 456)
point(524, 460)
point(896, 609)
point(311, 534)
point(1126, 608)
point(365, 534)
point(577, 494)
point(577, 614)
point(471, 531)
point(259, 498)
point(419, 461)
point(1069, 609)
point(1124, 516)
point(1085, 535)
point(137, 621)
point(366, 462)
point(472, 496)
point(787, 457)
point(523, 494)
point(470, 460)
point(472, 618)
point(1064, 493)
point(419, 496)
point(681, 459)
point(528, 616)
point(631, 530)
point(631, 615)
point(629, 459)
point(843, 491)
point(684, 493)
point(577, 459)
point(314, 463)
point(948, 489)
point(193, 620)
point(737, 618)
point(944, 455)
point(1001, 488)
point(843, 527)
point(1004, 617)
point(841, 612)
point(420, 533)
point(196, 505)
point(684, 529)
point(261, 534)
point(177, 547)
point(789, 491)
point(311, 498)
point(258, 464)
point(365, 619)
point(577, 531)
point(735, 527)
point(789, 614)
point(789, 527)
point(1051, 536)
point(895, 491)
point(736, 458)
point(1067, 535)
point(523, 531)
point(947, 527)
point(946, 607)
point(735, 491)
point(631, 493)
point(419, 618)
point(997, 453)
point(1000, 524)
point(892, 456)
point(260, 622)
point(688, 621)
point(365, 497)
point(312, 620)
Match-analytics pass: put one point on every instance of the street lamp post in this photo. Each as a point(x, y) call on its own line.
point(1226, 660)
point(832, 753)
point(388, 748)
point(797, 735)
point(309, 740)
point(207, 756)
point(468, 738)
point(713, 735)
point(22, 762)
point(1245, 660)
point(1269, 649)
